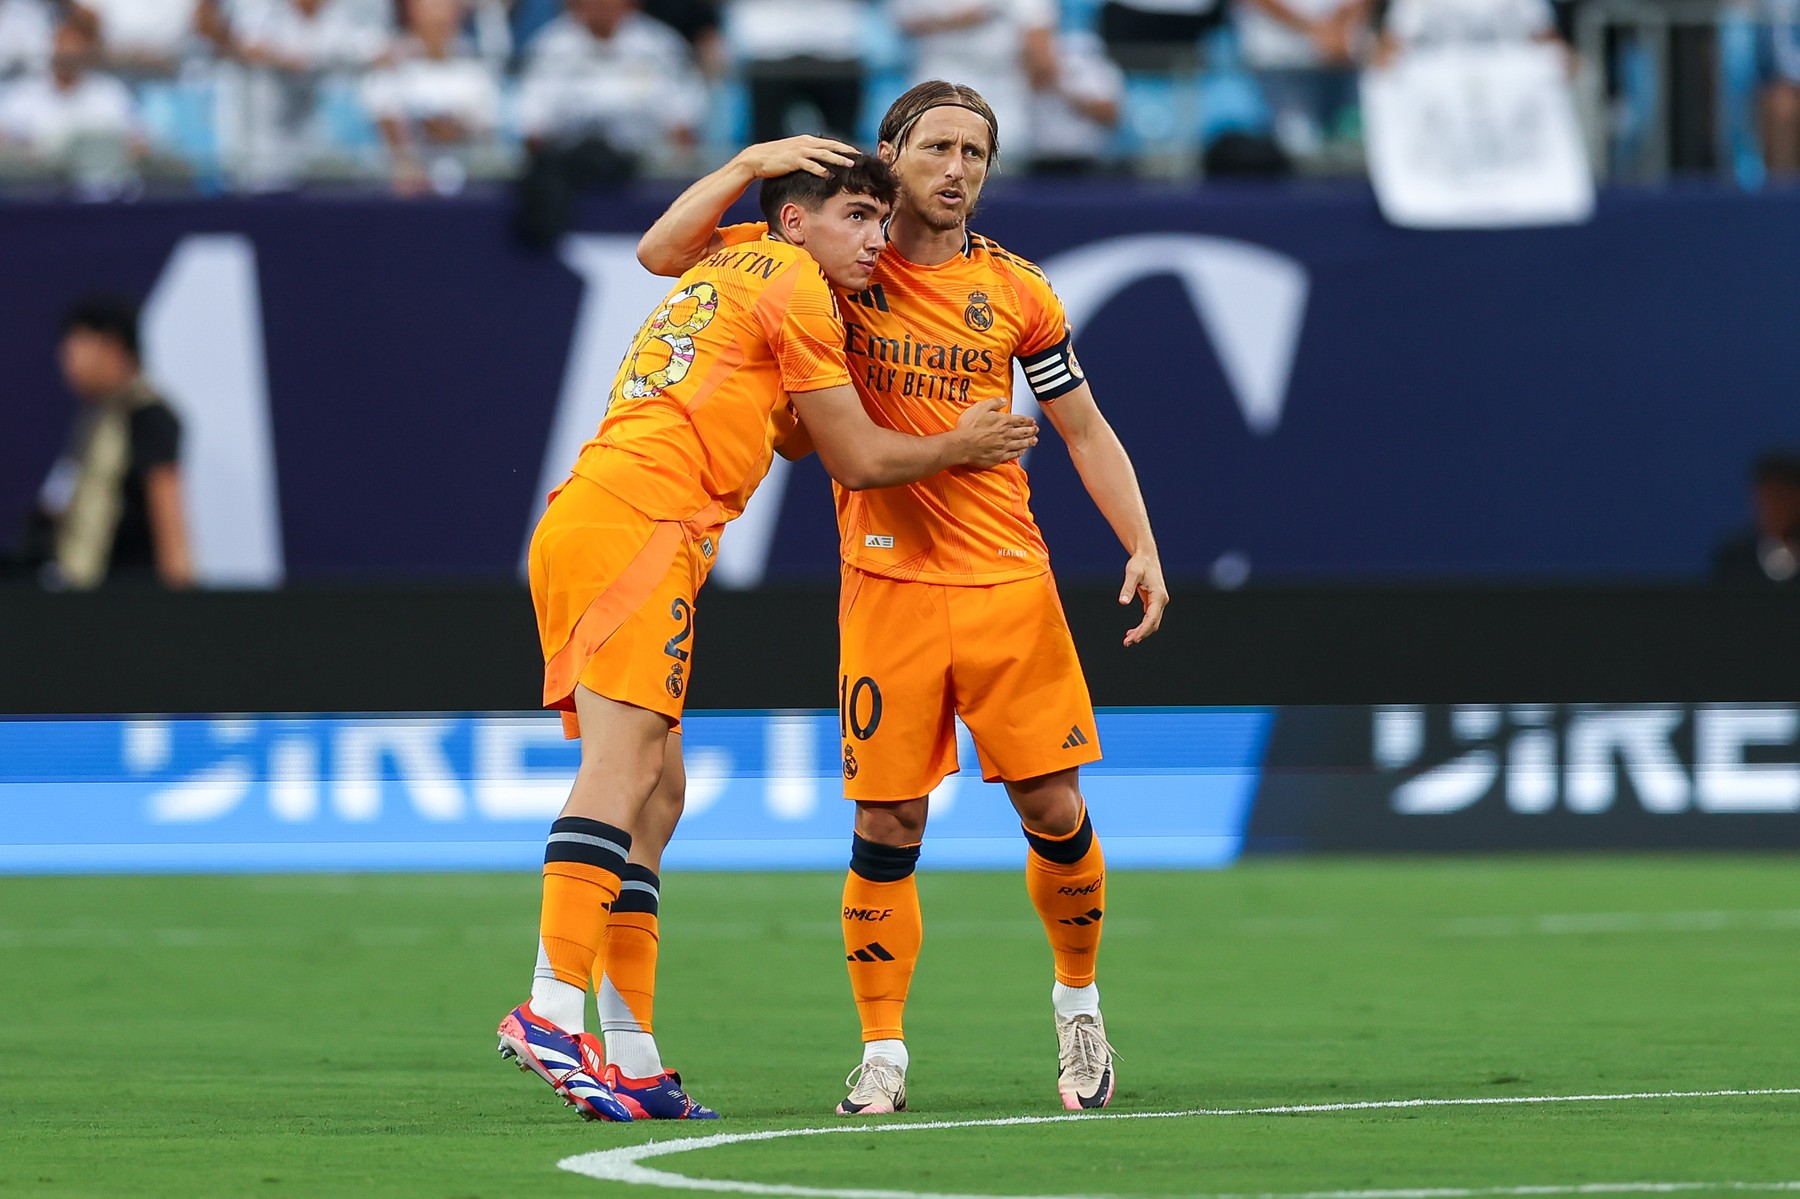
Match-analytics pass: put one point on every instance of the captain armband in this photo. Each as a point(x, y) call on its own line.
point(1054, 371)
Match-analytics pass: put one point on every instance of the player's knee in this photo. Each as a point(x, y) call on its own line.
point(1050, 806)
point(891, 823)
point(667, 801)
point(628, 779)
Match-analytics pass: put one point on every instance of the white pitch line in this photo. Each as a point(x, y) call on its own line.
point(621, 1165)
point(1572, 1189)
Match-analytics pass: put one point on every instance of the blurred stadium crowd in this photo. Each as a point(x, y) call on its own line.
point(112, 96)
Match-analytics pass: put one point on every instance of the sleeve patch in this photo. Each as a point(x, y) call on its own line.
point(155, 437)
point(1053, 372)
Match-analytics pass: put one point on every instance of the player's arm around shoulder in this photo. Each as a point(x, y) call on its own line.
point(1106, 471)
point(861, 455)
point(689, 230)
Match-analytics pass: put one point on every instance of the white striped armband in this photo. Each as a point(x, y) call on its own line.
point(1054, 371)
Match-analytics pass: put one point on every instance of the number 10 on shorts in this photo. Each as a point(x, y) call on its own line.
point(859, 707)
point(859, 715)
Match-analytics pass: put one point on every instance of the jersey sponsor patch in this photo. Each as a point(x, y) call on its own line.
point(875, 541)
point(1053, 372)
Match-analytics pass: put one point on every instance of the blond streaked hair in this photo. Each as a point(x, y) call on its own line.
point(905, 112)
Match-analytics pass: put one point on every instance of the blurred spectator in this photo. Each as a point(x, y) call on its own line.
point(73, 120)
point(801, 52)
point(1004, 49)
point(1073, 118)
point(1304, 54)
point(1769, 550)
point(296, 49)
point(1157, 35)
point(699, 22)
point(302, 37)
point(605, 71)
point(1779, 66)
point(110, 510)
point(606, 93)
point(485, 26)
point(438, 104)
point(25, 30)
point(1411, 24)
point(149, 37)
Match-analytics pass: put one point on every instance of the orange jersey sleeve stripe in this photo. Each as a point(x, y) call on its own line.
point(808, 335)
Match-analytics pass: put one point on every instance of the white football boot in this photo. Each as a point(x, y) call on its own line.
point(1084, 1060)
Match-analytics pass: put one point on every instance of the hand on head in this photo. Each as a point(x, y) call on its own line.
point(815, 155)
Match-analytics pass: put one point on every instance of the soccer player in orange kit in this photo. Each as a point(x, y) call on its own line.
point(750, 338)
point(948, 605)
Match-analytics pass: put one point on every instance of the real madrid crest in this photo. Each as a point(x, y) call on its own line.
point(979, 315)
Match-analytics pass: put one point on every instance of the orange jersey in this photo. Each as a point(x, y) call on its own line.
point(923, 343)
point(701, 398)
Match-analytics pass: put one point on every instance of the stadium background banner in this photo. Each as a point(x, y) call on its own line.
point(1178, 788)
point(454, 791)
point(379, 390)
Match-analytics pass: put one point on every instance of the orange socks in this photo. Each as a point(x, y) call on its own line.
point(1066, 878)
point(627, 988)
point(582, 862)
point(882, 933)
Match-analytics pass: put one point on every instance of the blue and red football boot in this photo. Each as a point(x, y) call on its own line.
point(658, 1098)
point(557, 1057)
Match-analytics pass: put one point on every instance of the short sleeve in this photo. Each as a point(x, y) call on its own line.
point(477, 98)
point(1047, 349)
point(155, 437)
point(537, 100)
point(381, 95)
point(114, 104)
point(808, 334)
point(1088, 72)
point(1035, 14)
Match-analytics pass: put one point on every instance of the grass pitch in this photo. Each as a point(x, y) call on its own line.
point(332, 1035)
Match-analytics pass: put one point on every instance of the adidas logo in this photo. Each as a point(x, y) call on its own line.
point(1076, 738)
point(872, 298)
point(872, 952)
point(1092, 917)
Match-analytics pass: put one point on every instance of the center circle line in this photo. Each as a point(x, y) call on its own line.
point(622, 1164)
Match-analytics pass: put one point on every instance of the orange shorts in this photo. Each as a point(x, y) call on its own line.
point(614, 591)
point(912, 655)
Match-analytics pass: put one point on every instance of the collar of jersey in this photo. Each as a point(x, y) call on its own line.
point(968, 250)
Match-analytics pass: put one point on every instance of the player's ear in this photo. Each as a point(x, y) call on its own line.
point(792, 221)
point(887, 153)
